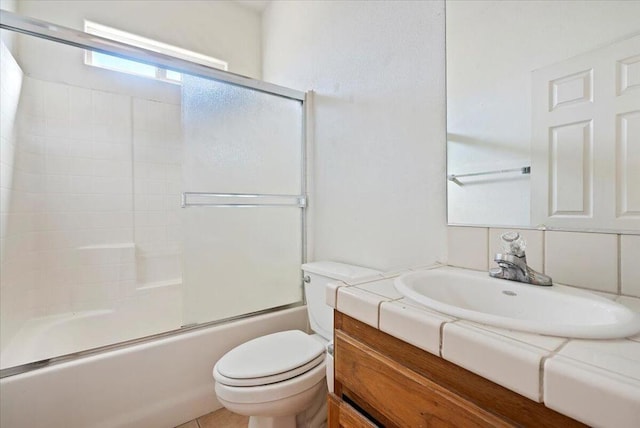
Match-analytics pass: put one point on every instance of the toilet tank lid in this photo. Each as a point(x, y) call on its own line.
point(341, 271)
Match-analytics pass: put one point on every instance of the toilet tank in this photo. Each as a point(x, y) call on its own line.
point(317, 276)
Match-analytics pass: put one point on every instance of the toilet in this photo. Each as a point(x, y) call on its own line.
point(280, 380)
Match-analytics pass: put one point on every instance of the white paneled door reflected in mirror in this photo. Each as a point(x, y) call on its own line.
point(554, 86)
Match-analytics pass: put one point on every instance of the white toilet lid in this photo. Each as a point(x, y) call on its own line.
point(268, 359)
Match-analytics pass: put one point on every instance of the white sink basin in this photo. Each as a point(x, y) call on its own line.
point(557, 310)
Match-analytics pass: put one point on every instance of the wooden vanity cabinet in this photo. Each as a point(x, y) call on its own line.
point(383, 381)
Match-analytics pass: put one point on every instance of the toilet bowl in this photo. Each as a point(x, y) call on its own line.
point(274, 379)
point(280, 380)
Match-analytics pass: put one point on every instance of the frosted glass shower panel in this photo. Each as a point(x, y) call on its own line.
point(242, 254)
point(240, 260)
point(240, 140)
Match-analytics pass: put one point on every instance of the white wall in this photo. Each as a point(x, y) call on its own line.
point(377, 69)
point(492, 48)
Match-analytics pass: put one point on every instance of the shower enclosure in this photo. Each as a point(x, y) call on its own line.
point(133, 208)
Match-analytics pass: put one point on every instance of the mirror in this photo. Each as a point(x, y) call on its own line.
point(543, 114)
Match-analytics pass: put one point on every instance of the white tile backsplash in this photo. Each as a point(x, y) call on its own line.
point(630, 265)
point(468, 247)
point(588, 260)
point(601, 262)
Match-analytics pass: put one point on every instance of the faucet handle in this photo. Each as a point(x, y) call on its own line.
point(512, 243)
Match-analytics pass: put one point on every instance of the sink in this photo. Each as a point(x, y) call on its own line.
point(556, 311)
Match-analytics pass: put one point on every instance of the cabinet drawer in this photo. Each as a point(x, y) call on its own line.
point(399, 394)
point(341, 414)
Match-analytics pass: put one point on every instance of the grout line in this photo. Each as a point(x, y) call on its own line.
point(441, 339)
point(589, 365)
point(544, 252)
point(619, 260)
point(379, 310)
point(543, 360)
point(487, 257)
point(541, 379)
point(442, 335)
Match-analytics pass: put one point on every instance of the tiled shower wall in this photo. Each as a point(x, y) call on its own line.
point(157, 154)
point(605, 262)
point(82, 202)
point(93, 199)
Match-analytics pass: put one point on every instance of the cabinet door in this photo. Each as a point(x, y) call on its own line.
point(402, 396)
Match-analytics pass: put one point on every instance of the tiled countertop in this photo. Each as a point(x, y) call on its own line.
point(594, 381)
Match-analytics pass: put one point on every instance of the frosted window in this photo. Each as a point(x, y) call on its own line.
point(132, 67)
point(124, 65)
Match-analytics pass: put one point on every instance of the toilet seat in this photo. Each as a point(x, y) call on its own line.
point(269, 359)
point(266, 380)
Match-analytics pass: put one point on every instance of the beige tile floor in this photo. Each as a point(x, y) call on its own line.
point(219, 419)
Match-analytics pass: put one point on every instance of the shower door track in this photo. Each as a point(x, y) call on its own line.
point(27, 367)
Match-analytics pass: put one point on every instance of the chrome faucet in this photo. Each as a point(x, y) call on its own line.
point(512, 262)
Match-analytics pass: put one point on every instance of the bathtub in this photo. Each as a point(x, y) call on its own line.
point(158, 383)
point(150, 309)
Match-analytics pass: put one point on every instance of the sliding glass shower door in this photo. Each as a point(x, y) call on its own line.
point(131, 207)
point(242, 200)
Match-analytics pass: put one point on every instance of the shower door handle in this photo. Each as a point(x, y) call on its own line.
point(243, 200)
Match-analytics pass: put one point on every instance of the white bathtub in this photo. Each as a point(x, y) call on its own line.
point(151, 309)
point(156, 384)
